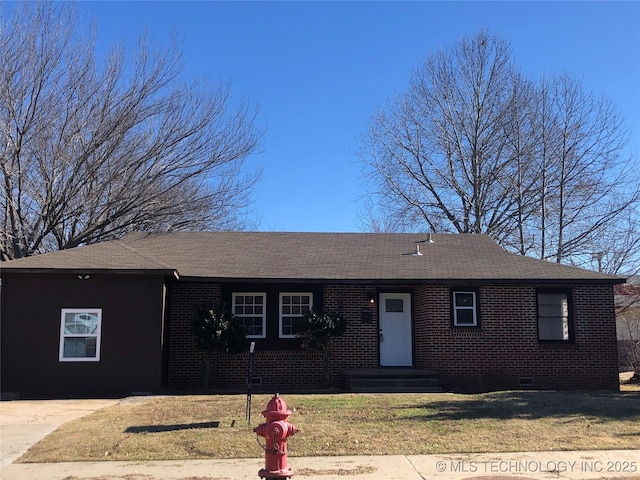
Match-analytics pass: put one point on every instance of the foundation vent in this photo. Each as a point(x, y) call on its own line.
point(526, 382)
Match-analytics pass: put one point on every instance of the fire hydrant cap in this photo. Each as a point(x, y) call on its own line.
point(276, 406)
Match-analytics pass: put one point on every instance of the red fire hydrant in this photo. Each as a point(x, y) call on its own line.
point(276, 430)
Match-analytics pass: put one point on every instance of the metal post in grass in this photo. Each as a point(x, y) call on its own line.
point(250, 383)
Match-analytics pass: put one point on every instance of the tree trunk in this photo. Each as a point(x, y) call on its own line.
point(207, 370)
point(327, 376)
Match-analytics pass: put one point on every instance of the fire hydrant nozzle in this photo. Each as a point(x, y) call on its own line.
point(276, 430)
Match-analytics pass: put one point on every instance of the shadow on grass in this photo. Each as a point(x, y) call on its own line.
point(534, 405)
point(170, 428)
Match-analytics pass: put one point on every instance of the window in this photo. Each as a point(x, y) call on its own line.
point(250, 309)
point(80, 335)
point(393, 305)
point(292, 307)
point(465, 308)
point(553, 316)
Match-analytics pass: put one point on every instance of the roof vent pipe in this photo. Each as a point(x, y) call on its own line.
point(417, 251)
point(429, 239)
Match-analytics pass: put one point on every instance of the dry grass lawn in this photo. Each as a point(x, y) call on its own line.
point(190, 427)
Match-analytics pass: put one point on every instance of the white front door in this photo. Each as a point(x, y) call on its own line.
point(396, 346)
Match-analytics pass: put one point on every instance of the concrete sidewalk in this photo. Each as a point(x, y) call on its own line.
point(544, 465)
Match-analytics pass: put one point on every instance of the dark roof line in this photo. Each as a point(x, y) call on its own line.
point(330, 257)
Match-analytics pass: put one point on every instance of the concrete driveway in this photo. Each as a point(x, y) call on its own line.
point(25, 422)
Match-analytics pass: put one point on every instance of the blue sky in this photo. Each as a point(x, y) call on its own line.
point(318, 70)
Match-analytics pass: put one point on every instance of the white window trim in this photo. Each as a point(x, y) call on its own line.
point(473, 308)
point(98, 336)
point(283, 294)
point(264, 310)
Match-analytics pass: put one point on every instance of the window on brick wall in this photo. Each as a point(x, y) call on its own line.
point(554, 317)
point(292, 307)
point(250, 308)
point(464, 306)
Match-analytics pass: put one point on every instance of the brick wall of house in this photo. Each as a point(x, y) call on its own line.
point(274, 369)
point(499, 354)
point(358, 347)
point(505, 349)
point(185, 361)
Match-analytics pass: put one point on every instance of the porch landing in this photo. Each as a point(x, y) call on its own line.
point(391, 380)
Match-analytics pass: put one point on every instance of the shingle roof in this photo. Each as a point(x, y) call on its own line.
point(311, 256)
point(115, 255)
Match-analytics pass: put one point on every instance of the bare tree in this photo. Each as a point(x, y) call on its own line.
point(438, 154)
point(616, 247)
point(521, 180)
point(90, 152)
point(472, 146)
point(588, 186)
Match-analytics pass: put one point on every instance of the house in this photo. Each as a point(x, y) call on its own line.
point(115, 318)
point(627, 302)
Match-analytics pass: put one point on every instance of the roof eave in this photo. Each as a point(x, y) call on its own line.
point(93, 271)
point(406, 281)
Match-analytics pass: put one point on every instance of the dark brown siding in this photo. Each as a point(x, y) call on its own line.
point(131, 345)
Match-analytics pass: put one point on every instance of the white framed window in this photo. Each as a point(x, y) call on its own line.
point(465, 308)
point(250, 308)
point(292, 307)
point(553, 317)
point(80, 334)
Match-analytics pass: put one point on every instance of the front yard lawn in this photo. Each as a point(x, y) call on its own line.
point(214, 426)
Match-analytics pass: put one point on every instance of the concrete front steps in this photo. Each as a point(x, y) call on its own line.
point(391, 380)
